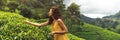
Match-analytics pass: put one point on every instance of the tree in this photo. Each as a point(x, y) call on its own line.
point(12, 6)
point(74, 9)
point(40, 8)
point(72, 18)
point(2, 4)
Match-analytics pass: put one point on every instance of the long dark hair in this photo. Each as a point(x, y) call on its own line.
point(55, 13)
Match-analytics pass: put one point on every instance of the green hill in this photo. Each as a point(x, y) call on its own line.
point(91, 32)
point(116, 18)
point(12, 27)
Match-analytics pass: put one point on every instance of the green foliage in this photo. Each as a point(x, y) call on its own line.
point(74, 9)
point(2, 4)
point(117, 29)
point(36, 9)
point(12, 27)
point(73, 25)
point(12, 5)
point(72, 37)
point(24, 11)
point(72, 18)
point(32, 3)
point(115, 18)
point(35, 13)
point(38, 13)
point(91, 32)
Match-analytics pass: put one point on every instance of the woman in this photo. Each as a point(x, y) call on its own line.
point(59, 29)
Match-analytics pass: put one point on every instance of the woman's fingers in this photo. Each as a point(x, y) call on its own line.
point(26, 21)
point(52, 33)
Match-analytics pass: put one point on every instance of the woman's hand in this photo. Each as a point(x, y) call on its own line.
point(52, 33)
point(36, 24)
point(26, 21)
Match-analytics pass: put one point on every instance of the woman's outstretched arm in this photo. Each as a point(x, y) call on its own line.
point(37, 24)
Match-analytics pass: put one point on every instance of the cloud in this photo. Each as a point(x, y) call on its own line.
point(96, 15)
point(99, 7)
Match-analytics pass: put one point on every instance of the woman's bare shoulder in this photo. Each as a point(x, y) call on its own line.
point(60, 20)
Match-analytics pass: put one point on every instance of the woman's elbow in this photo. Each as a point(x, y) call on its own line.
point(65, 31)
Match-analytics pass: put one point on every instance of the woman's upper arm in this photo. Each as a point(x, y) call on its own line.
point(62, 25)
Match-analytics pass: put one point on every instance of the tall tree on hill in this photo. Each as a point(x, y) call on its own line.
point(74, 9)
point(72, 18)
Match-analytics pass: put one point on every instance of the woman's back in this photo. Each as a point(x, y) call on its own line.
point(56, 27)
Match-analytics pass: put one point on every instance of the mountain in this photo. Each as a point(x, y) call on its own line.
point(115, 17)
point(101, 22)
point(87, 19)
point(108, 16)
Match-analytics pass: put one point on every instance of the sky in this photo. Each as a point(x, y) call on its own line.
point(96, 8)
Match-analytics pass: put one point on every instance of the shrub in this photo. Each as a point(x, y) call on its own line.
point(12, 6)
point(12, 27)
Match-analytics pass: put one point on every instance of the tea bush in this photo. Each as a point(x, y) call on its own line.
point(13, 27)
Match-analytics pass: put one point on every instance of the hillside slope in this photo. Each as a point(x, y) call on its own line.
point(12, 27)
point(91, 32)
